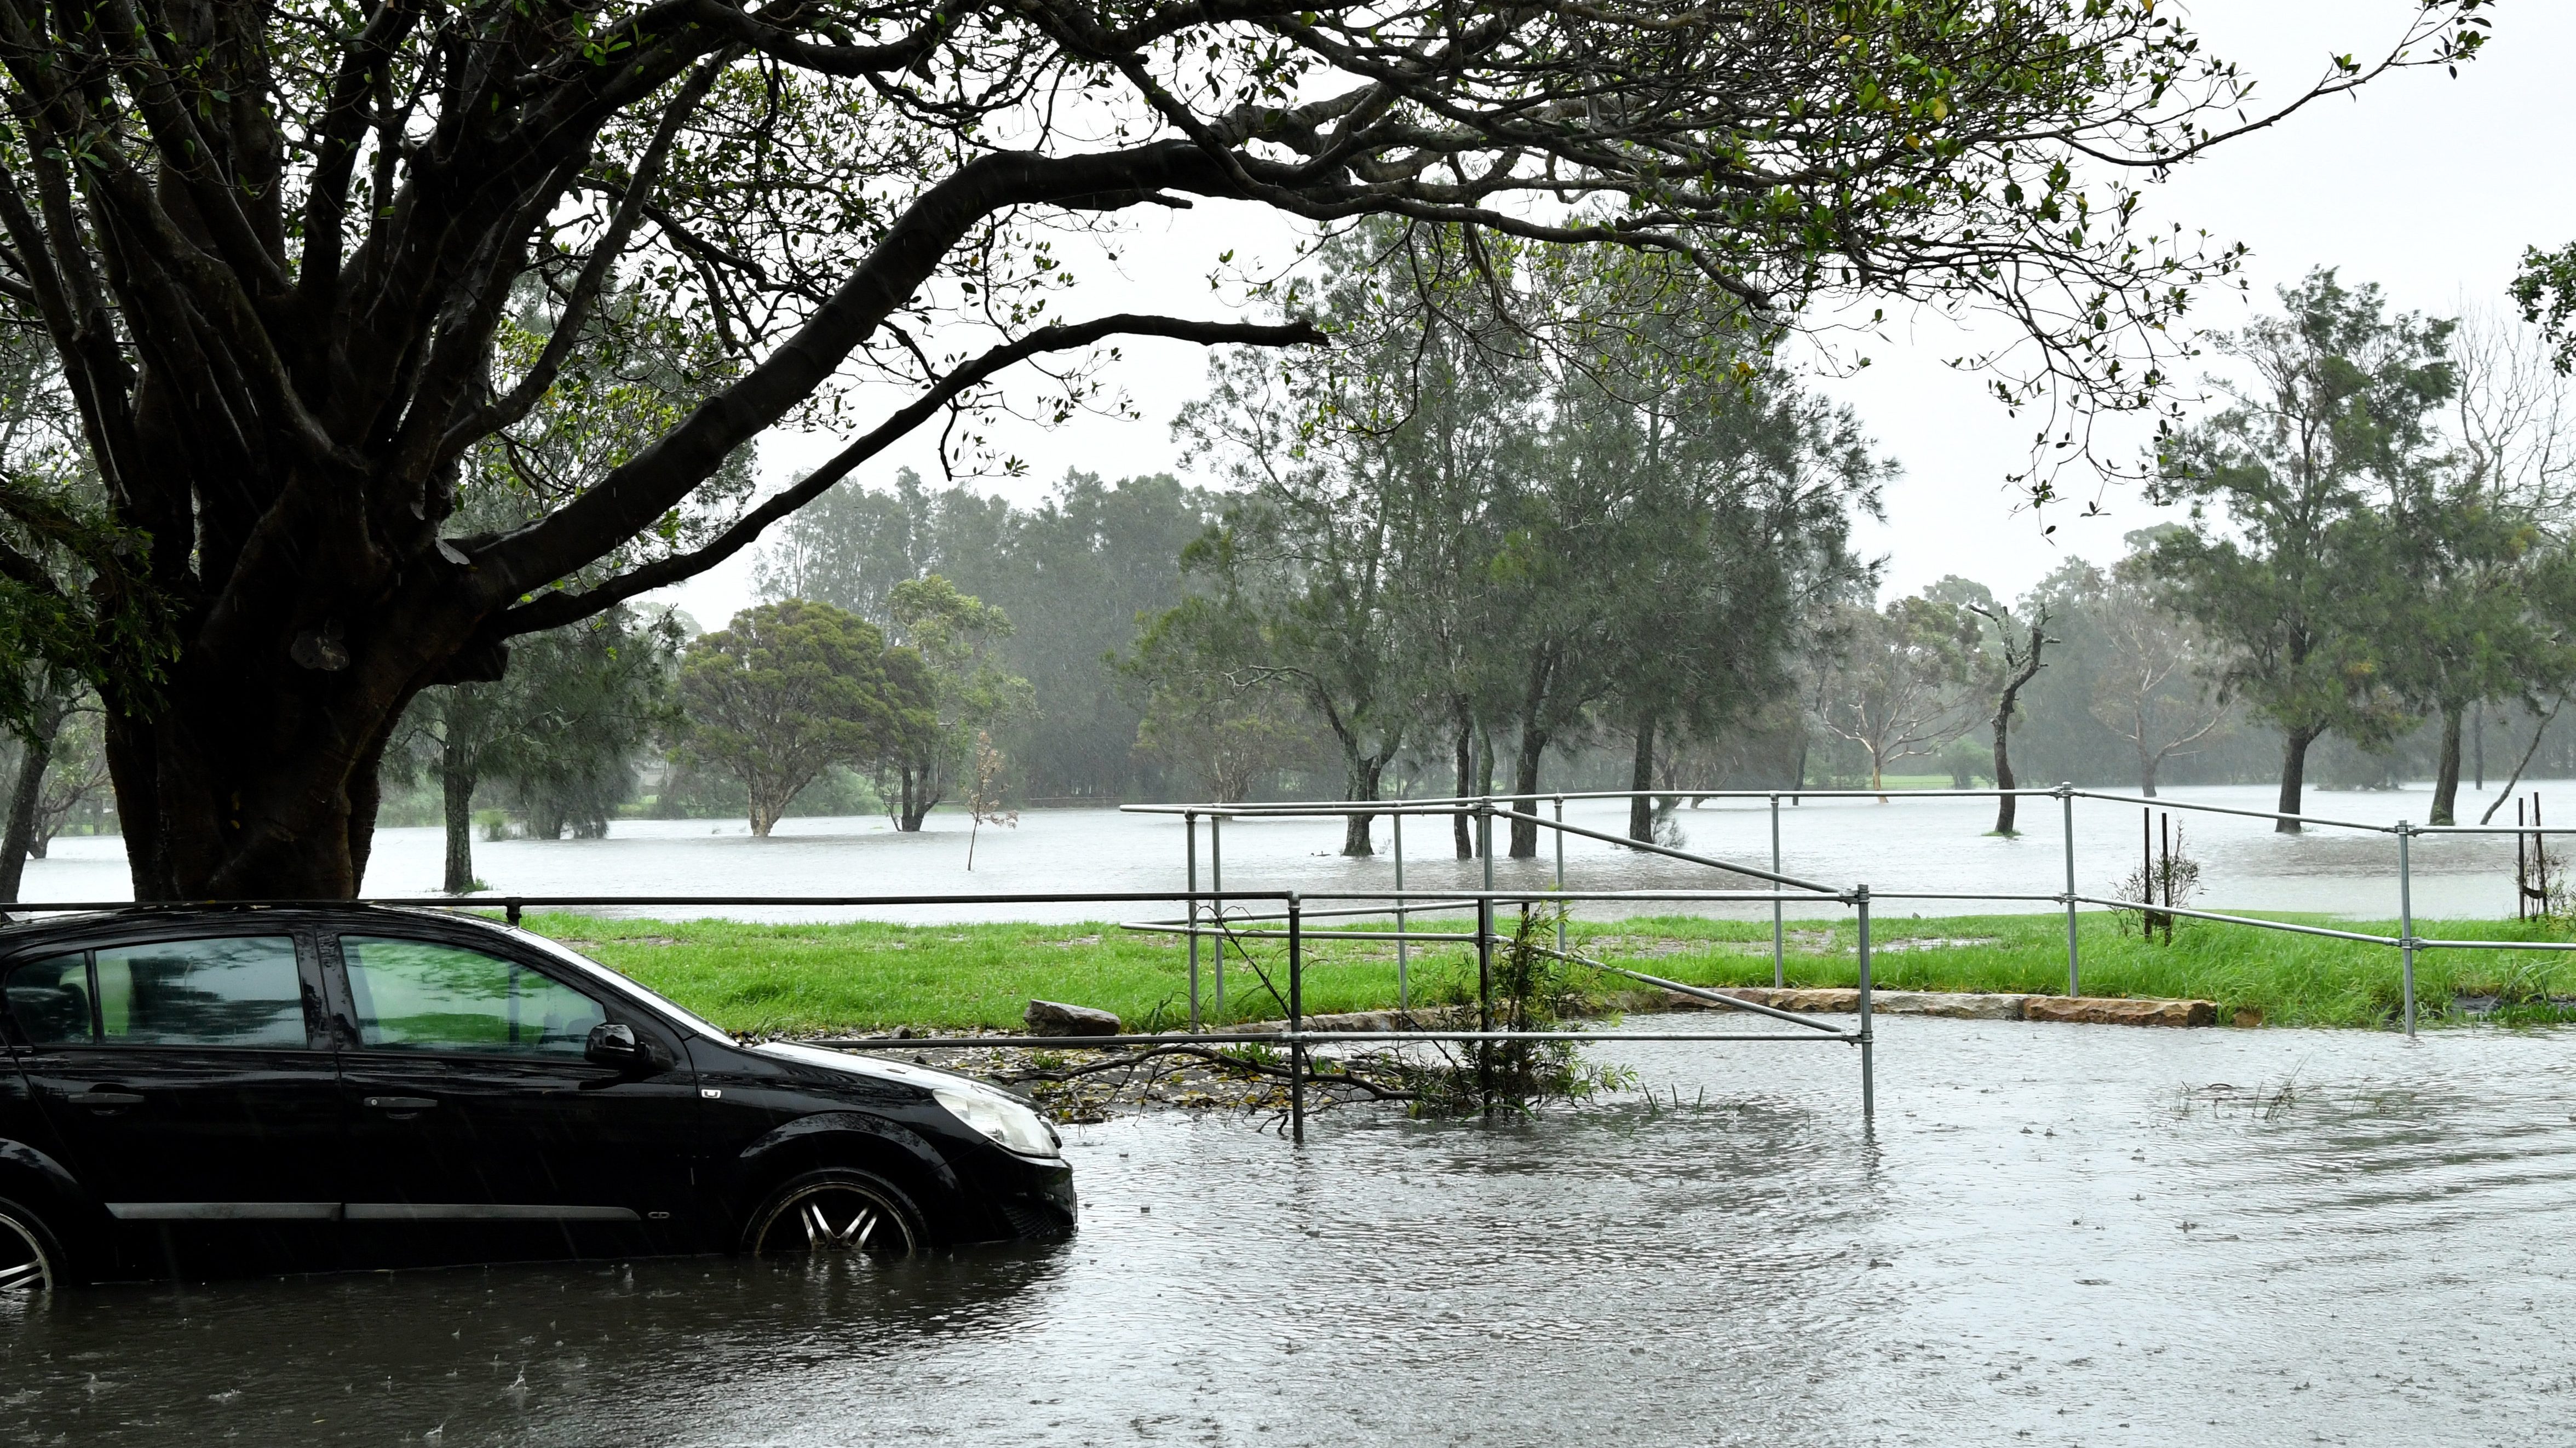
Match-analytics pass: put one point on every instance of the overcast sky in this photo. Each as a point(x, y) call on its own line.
point(2427, 185)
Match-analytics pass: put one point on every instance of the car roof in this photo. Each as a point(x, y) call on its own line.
point(44, 928)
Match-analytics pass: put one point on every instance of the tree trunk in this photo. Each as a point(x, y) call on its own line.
point(33, 756)
point(2294, 775)
point(1460, 826)
point(2147, 766)
point(2446, 769)
point(2004, 801)
point(252, 774)
point(1525, 782)
point(1361, 776)
point(456, 783)
point(1641, 777)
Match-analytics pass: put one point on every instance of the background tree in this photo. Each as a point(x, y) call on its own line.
point(2153, 681)
point(790, 687)
point(955, 637)
point(1225, 731)
point(562, 733)
point(2019, 653)
point(1073, 573)
point(1894, 686)
point(2338, 412)
point(58, 768)
point(273, 247)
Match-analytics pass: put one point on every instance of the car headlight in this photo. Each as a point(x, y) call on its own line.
point(1011, 1126)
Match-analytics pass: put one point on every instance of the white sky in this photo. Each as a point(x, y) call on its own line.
point(2429, 186)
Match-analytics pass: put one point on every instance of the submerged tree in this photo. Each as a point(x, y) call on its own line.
point(2019, 655)
point(2339, 415)
point(273, 247)
point(790, 688)
point(955, 638)
point(1894, 685)
point(562, 731)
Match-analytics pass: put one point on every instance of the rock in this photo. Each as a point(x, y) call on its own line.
point(1055, 1018)
point(2248, 1017)
point(1954, 1006)
point(2107, 1011)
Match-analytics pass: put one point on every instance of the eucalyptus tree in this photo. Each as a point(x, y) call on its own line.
point(2290, 580)
point(1726, 538)
point(1896, 684)
point(2020, 651)
point(2473, 534)
point(956, 638)
point(2154, 672)
point(273, 244)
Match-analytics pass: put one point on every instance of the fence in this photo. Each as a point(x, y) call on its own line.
point(1294, 1037)
point(1511, 806)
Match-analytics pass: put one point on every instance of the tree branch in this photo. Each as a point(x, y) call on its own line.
point(561, 607)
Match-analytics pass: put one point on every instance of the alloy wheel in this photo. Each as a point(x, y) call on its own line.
point(25, 1269)
point(832, 1217)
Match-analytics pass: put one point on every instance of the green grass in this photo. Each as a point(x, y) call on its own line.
point(806, 978)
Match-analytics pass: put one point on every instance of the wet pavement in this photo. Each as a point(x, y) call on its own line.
point(2055, 1234)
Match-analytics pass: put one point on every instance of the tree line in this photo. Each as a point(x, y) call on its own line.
point(1486, 544)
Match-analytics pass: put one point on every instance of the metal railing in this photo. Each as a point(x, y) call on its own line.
point(1294, 1035)
point(1485, 808)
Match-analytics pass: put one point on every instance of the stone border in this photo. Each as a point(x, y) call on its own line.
point(2084, 1010)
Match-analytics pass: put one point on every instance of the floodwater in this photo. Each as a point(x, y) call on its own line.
point(2055, 1235)
point(1912, 843)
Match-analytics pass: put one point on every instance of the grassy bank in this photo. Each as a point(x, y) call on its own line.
point(805, 978)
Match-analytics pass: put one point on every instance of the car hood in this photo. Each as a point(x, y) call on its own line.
point(870, 1067)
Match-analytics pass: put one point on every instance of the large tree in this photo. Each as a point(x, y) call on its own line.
point(273, 246)
point(789, 689)
point(2288, 563)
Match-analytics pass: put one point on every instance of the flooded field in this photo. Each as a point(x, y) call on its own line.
point(2055, 1234)
point(1910, 844)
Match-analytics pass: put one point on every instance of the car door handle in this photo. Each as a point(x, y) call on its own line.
point(401, 1103)
point(105, 1097)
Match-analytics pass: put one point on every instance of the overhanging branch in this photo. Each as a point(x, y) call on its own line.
point(561, 607)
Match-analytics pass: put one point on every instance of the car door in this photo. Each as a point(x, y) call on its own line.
point(473, 1100)
point(185, 1078)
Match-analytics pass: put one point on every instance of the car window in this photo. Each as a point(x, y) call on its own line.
point(415, 995)
point(242, 991)
point(49, 1001)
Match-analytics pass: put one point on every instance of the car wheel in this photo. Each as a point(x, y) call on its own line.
point(835, 1209)
point(31, 1257)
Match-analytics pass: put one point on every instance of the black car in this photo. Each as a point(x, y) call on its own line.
point(206, 1090)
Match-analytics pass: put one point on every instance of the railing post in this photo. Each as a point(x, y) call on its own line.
point(2066, 803)
point(1190, 825)
point(1485, 836)
point(1296, 1020)
point(1485, 990)
point(1868, 1081)
point(1403, 995)
point(1216, 906)
point(2406, 918)
point(1560, 873)
point(512, 910)
point(1779, 963)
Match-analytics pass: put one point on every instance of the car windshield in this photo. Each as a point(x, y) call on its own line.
point(600, 972)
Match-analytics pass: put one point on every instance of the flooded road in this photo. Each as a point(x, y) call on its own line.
point(2056, 1234)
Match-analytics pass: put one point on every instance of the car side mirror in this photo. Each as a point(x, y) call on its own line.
point(613, 1043)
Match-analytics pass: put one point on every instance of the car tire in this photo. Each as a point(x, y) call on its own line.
point(832, 1210)
point(32, 1259)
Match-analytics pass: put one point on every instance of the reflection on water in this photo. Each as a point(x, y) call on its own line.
point(1915, 843)
point(2079, 1234)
